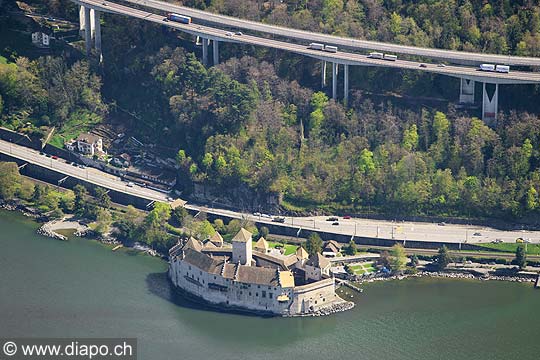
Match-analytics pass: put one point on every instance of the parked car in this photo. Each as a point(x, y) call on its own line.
point(48, 155)
point(441, 65)
point(332, 218)
point(41, 153)
point(239, 33)
point(279, 219)
point(54, 157)
point(520, 241)
point(74, 164)
point(477, 234)
point(442, 224)
point(257, 214)
point(423, 65)
point(130, 184)
point(347, 217)
point(335, 223)
point(266, 216)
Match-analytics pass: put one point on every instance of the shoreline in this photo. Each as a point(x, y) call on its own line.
point(48, 227)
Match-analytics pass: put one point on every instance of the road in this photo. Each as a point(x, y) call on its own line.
point(404, 231)
point(471, 73)
point(460, 57)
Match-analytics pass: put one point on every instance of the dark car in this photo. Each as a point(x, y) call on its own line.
point(279, 219)
point(423, 65)
point(332, 218)
point(477, 234)
point(74, 163)
point(41, 153)
point(48, 155)
point(335, 223)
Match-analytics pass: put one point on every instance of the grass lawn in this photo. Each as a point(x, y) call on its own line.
point(532, 249)
point(361, 268)
point(289, 248)
point(3, 60)
point(79, 123)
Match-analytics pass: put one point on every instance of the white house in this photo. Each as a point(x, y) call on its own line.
point(86, 143)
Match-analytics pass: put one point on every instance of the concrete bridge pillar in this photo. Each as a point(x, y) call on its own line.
point(205, 51)
point(97, 30)
point(215, 45)
point(466, 91)
point(323, 74)
point(82, 24)
point(334, 79)
point(345, 84)
point(490, 105)
point(87, 31)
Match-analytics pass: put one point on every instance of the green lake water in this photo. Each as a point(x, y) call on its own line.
point(79, 288)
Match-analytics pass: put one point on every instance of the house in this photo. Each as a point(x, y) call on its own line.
point(86, 143)
point(317, 267)
point(40, 39)
point(331, 249)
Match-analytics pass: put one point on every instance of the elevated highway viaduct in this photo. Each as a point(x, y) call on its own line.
point(90, 11)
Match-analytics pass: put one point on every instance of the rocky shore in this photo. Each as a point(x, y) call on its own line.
point(452, 275)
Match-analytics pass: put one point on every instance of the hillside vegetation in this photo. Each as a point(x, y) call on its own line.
point(257, 122)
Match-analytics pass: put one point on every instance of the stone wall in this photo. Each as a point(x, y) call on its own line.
point(314, 296)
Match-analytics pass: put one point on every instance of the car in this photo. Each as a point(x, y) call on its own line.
point(74, 164)
point(104, 3)
point(239, 33)
point(423, 65)
point(48, 155)
point(228, 33)
point(332, 218)
point(441, 224)
point(347, 217)
point(130, 184)
point(256, 213)
point(441, 65)
point(279, 219)
point(54, 157)
point(165, 19)
point(266, 216)
point(82, 166)
point(169, 198)
point(335, 223)
point(477, 234)
point(41, 153)
point(520, 241)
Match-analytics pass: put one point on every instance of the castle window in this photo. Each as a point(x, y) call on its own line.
point(189, 267)
point(256, 294)
point(264, 294)
point(270, 295)
point(214, 277)
point(200, 272)
point(258, 286)
point(250, 293)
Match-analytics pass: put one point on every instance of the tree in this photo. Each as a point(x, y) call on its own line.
point(350, 249)
point(521, 257)
point(314, 244)
point(384, 259)
point(9, 179)
point(79, 205)
point(399, 259)
point(103, 221)
point(263, 231)
point(410, 138)
point(365, 162)
point(443, 258)
point(414, 261)
point(532, 199)
point(102, 197)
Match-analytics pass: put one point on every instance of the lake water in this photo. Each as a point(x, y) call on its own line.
point(51, 288)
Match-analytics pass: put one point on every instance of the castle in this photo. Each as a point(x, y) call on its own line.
point(258, 280)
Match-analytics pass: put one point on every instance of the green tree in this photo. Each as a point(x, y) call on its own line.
point(521, 257)
point(263, 232)
point(414, 261)
point(102, 197)
point(366, 164)
point(204, 230)
point(79, 205)
point(351, 249)
point(9, 179)
point(399, 259)
point(410, 138)
point(443, 258)
point(103, 221)
point(314, 244)
point(532, 199)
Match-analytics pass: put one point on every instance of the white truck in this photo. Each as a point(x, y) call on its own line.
point(390, 57)
point(376, 55)
point(502, 69)
point(316, 46)
point(487, 67)
point(330, 48)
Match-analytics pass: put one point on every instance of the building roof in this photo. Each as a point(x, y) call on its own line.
point(178, 203)
point(88, 138)
point(193, 243)
point(257, 275)
point(301, 253)
point(319, 261)
point(216, 239)
point(262, 245)
point(201, 261)
point(286, 279)
point(243, 236)
point(331, 246)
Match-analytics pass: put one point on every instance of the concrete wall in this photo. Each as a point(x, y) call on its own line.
point(20, 139)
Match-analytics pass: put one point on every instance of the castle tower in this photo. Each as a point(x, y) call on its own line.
point(242, 244)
